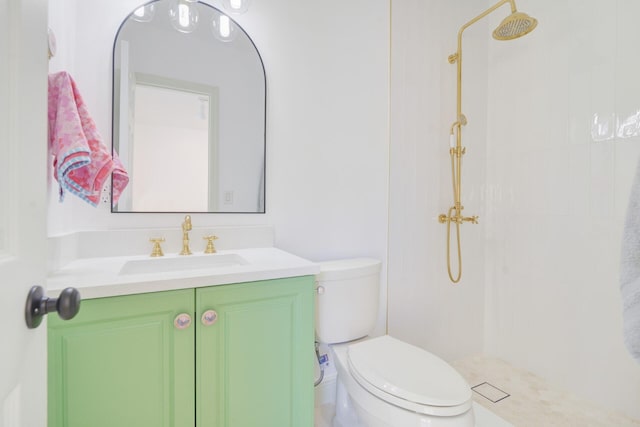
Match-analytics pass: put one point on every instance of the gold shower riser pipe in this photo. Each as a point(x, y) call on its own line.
point(461, 120)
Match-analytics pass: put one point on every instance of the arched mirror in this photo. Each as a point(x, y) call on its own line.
point(189, 98)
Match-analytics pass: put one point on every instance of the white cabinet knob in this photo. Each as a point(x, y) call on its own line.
point(209, 317)
point(182, 321)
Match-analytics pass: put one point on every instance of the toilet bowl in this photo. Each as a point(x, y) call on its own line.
point(382, 381)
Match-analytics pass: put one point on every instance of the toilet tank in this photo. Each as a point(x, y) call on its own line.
point(347, 299)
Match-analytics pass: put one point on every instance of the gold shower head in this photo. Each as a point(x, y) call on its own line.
point(515, 25)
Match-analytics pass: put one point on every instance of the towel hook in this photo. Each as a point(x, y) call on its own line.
point(53, 47)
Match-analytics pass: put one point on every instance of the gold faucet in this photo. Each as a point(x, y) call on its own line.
point(186, 227)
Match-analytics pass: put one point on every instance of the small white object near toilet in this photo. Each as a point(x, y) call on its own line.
point(382, 382)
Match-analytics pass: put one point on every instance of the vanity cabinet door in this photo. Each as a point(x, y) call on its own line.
point(255, 361)
point(122, 362)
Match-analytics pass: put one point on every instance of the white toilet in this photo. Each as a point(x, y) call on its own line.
point(382, 382)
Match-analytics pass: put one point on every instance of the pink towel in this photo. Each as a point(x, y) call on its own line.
point(82, 163)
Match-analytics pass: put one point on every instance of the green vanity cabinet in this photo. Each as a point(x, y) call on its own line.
point(121, 362)
point(255, 363)
point(246, 359)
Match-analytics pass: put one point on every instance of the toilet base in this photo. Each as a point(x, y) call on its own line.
point(346, 413)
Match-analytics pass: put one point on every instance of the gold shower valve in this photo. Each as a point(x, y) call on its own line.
point(443, 218)
point(453, 58)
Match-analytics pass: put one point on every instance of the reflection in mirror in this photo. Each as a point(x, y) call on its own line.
point(188, 112)
point(166, 112)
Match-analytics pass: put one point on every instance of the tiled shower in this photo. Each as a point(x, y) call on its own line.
point(552, 145)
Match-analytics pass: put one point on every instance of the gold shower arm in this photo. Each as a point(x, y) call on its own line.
point(457, 57)
point(479, 17)
point(485, 13)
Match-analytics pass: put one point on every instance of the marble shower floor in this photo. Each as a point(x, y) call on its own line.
point(531, 401)
point(484, 418)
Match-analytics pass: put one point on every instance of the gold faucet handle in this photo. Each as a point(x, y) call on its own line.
point(157, 249)
point(471, 219)
point(210, 249)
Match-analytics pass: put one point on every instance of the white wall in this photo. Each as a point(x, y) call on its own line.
point(328, 103)
point(327, 122)
point(561, 179)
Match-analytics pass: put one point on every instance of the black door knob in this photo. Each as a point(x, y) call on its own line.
point(67, 305)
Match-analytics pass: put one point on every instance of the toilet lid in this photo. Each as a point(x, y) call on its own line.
point(407, 372)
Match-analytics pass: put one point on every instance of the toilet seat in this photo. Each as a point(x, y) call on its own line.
point(408, 377)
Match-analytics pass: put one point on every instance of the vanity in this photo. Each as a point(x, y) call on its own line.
point(220, 339)
point(223, 339)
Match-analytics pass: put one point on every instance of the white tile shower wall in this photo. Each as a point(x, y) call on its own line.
point(563, 143)
point(425, 309)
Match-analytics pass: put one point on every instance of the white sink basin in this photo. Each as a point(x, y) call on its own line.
point(126, 275)
point(181, 263)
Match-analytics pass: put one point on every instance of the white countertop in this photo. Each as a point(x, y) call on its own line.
point(100, 277)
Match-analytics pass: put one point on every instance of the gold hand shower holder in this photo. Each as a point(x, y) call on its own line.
point(515, 25)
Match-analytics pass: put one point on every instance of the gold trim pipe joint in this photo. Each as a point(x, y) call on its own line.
point(458, 151)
